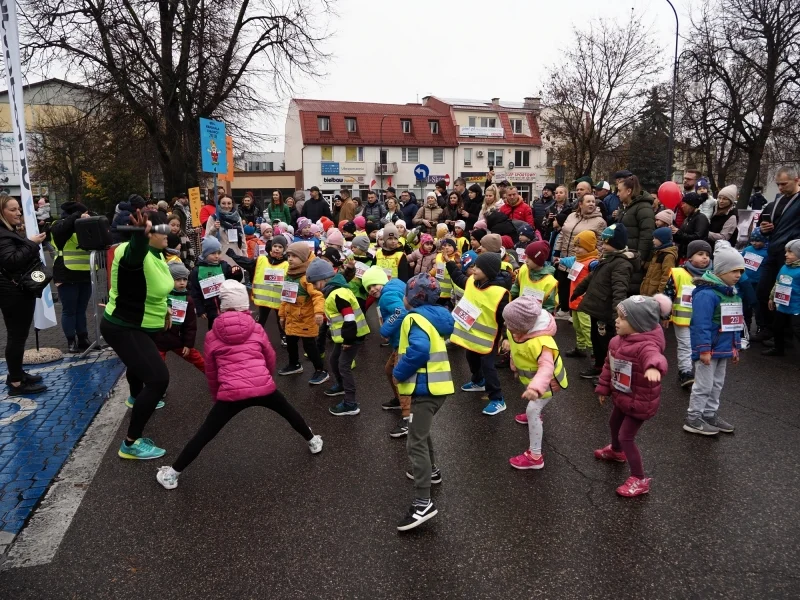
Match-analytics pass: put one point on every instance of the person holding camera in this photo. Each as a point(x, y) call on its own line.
point(17, 255)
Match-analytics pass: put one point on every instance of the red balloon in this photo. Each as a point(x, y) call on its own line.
point(669, 194)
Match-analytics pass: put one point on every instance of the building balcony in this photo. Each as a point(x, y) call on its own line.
point(385, 168)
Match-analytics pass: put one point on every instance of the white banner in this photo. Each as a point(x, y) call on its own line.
point(45, 315)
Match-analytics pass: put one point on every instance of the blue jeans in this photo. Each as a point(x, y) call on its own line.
point(74, 302)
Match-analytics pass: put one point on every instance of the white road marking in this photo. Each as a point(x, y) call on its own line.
point(26, 407)
point(38, 542)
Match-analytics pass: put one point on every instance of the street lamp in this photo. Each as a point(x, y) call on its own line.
point(671, 143)
point(380, 152)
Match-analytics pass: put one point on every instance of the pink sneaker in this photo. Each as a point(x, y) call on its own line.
point(634, 487)
point(526, 460)
point(521, 418)
point(608, 453)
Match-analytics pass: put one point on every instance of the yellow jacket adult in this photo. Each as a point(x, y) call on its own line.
point(71, 264)
point(268, 282)
point(423, 363)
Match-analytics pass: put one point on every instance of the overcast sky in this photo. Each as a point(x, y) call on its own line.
point(461, 48)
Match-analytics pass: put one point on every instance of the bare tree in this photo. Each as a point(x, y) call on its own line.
point(174, 61)
point(594, 95)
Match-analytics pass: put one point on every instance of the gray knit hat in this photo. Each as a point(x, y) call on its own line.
point(644, 313)
point(489, 263)
point(319, 270)
point(698, 246)
point(281, 241)
point(361, 242)
point(178, 271)
point(726, 259)
point(793, 247)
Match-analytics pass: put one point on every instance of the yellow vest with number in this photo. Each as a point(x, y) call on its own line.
point(547, 284)
point(437, 369)
point(681, 315)
point(445, 283)
point(265, 293)
point(526, 359)
point(337, 319)
point(389, 262)
point(480, 337)
point(74, 258)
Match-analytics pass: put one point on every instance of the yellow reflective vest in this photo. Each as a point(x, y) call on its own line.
point(481, 336)
point(436, 370)
point(443, 277)
point(268, 282)
point(526, 359)
point(682, 305)
point(390, 263)
point(74, 258)
point(544, 286)
point(337, 319)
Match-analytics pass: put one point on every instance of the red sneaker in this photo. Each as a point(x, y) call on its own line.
point(526, 460)
point(634, 487)
point(609, 453)
point(521, 418)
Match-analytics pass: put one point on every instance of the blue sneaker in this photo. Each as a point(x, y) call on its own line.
point(335, 390)
point(319, 378)
point(494, 407)
point(141, 449)
point(343, 409)
point(129, 403)
point(474, 387)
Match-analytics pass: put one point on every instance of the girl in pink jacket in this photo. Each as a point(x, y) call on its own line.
point(535, 359)
point(632, 376)
point(240, 368)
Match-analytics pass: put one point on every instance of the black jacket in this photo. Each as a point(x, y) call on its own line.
point(61, 231)
point(316, 209)
point(473, 207)
point(179, 335)
point(248, 215)
point(694, 227)
point(17, 255)
point(608, 285)
point(409, 211)
point(639, 219)
point(499, 223)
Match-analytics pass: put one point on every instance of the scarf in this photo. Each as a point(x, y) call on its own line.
point(232, 220)
point(301, 270)
point(695, 271)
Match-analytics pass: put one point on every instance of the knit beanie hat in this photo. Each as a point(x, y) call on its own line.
point(325, 223)
point(210, 245)
point(371, 226)
point(265, 227)
point(361, 242)
point(333, 256)
point(506, 241)
point(726, 258)
point(280, 241)
point(441, 230)
point(489, 263)
point(697, 246)
point(349, 227)
point(468, 259)
point(702, 183)
point(644, 313)
point(481, 225)
point(693, 199)
point(663, 235)
point(666, 216)
point(360, 222)
point(422, 289)
point(479, 234)
point(587, 239)
point(302, 223)
point(538, 252)
point(462, 225)
point(527, 231)
point(178, 270)
point(616, 236)
point(233, 296)
point(731, 192)
point(521, 314)
point(375, 275)
point(249, 230)
point(335, 238)
point(315, 229)
point(492, 242)
point(319, 270)
point(289, 229)
point(793, 247)
point(757, 236)
point(300, 250)
point(342, 223)
point(390, 231)
point(425, 238)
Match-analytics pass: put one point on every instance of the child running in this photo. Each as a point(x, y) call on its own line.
point(632, 375)
point(536, 361)
point(240, 365)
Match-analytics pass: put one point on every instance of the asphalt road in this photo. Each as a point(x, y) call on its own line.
point(257, 516)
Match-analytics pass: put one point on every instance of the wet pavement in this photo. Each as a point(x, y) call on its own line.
point(257, 516)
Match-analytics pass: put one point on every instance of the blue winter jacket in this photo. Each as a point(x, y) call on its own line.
point(419, 346)
point(789, 275)
point(297, 238)
point(754, 276)
point(705, 325)
point(393, 311)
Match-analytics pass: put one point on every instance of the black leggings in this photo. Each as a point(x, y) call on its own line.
point(222, 412)
point(785, 326)
point(263, 314)
point(18, 319)
point(146, 371)
point(600, 341)
point(563, 289)
point(309, 345)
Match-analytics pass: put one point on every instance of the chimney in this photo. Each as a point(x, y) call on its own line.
point(533, 103)
point(495, 101)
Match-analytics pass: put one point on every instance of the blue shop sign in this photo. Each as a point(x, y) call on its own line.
point(330, 168)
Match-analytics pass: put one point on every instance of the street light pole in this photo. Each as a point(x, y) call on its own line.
point(671, 143)
point(380, 152)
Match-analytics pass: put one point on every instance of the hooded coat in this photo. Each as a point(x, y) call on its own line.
point(499, 223)
point(575, 224)
point(640, 221)
point(655, 281)
point(299, 317)
point(419, 346)
point(705, 325)
point(607, 286)
point(240, 361)
point(694, 227)
point(393, 310)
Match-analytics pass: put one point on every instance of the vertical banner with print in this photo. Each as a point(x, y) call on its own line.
point(45, 315)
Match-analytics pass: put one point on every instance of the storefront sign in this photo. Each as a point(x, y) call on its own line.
point(356, 169)
point(432, 179)
point(515, 176)
point(330, 168)
point(343, 179)
point(466, 130)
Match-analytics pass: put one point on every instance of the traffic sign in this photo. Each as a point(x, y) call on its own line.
point(421, 171)
point(447, 179)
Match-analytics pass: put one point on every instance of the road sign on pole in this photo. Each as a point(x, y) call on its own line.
point(212, 146)
point(421, 171)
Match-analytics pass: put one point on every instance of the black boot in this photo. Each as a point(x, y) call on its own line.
point(83, 341)
point(72, 346)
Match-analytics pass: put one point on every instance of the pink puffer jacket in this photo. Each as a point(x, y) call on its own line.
point(240, 361)
point(633, 394)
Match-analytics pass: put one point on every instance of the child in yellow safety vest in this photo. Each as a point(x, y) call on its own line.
point(348, 329)
point(448, 251)
point(679, 289)
point(462, 241)
point(390, 257)
point(535, 277)
point(535, 359)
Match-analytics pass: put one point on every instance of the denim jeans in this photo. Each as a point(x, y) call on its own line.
point(74, 302)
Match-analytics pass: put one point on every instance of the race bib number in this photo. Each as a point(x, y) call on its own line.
point(466, 313)
point(538, 294)
point(233, 235)
point(210, 285)
point(521, 255)
point(575, 270)
point(273, 276)
point(783, 294)
point(752, 261)
point(732, 317)
point(621, 374)
point(361, 268)
point(440, 271)
point(686, 295)
point(348, 244)
point(311, 244)
point(262, 250)
point(289, 292)
point(178, 310)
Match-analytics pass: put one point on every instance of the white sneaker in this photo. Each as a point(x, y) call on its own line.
point(745, 344)
point(168, 477)
point(314, 444)
point(563, 315)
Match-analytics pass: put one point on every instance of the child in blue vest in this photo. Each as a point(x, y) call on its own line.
point(716, 332)
point(754, 256)
point(205, 281)
point(784, 299)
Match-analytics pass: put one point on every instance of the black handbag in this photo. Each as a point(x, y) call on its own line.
point(34, 280)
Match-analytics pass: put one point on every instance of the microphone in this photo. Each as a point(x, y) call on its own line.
point(162, 229)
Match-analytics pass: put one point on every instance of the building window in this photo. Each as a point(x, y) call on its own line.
point(259, 166)
point(326, 152)
point(438, 155)
point(384, 157)
point(495, 158)
point(524, 191)
point(522, 158)
point(472, 121)
point(410, 155)
point(354, 153)
point(516, 125)
point(488, 122)
point(324, 123)
point(434, 125)
point(350, 124)
point(467, 157)
point(406, 123)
